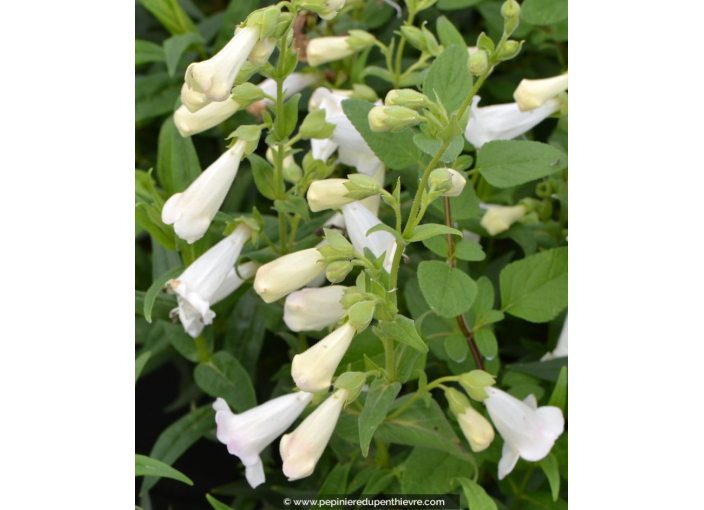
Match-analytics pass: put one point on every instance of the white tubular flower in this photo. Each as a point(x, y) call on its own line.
point(358, 221)
point(458, 183)
point(314, 309)
point(282, 276)
point(529, 431)
point(192, 99)
point(301, 449)
point(198, 285)
point(372, 203)
point(532, 94)
point(476, 429)
point(313, 369)
point(234, 280)
point(262, 51)
point(561, 347)
point(504, 121)
point(192, 211)
point(247, 434)
point(499, 218)
point(328, 49)
point(353, 150)
point(328, 194)
point(211, 115)
point(216, 76)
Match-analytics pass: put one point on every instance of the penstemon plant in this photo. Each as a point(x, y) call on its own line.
point(360, 296)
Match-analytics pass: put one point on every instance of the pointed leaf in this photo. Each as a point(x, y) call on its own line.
point(156, 288)
point(224, 376)
point(144, 465)
point(381, 395)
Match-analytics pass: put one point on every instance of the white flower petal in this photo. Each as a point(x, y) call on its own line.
point(358, 221)
point(314, 309)
point(509, 458)
point(313, 370)
point(255, 473)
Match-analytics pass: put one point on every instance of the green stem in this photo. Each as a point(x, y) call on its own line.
point(393, 278)
point(294, 227)
point(203, 354)
point(423, 182)
point(473, 92)
point(279, 160)
point(436, 383)
point(389, 357)
point(399, 52)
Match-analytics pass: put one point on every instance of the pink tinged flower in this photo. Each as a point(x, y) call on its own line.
point(282, 276)
point(504, 121)
point(314, 309)
point(301, 449)
point(192, 211)
point(529, 431)
point(358, 221)
point(247, 434)
point(313, 370)
point(561, 347)
point(215, 77)
point(532, 94)
point(199, 285)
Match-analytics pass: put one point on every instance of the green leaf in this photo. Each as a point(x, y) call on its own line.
point(544, 12)
point(224, 376)
point(149, 218)
point(156, 288)
point(535, 288)
point(380, 397)
point(177, 163)
point(235, 14)
point(447, 33)
point(178, 438)
point(144, 465)
point(217, 505)
point(456, 347)
point(244, 337)
point(403, 330)
point(449, 78)
point(139, 364)
point(383, 226)
point(336, 481)
point(486, 343)
point(161, 307)
point(433, 472)
point(550, 468)
point(170, 14)
point(559, 394)
point(395, 150)
point(147, 51)
point(469, 250)
point(508, 163)
point(477, 498)
point(453, 5)
point(176, 45)
point(422, 426)
point(293, 205)
point(263, 176)
point(428, 230)
point(379, 481)
point(291, 114)
point(431, 146)
point(546, 370)
point(183, 342)
point(541, 501)
point(448, 291)
point(485, 296)
point(155, 95)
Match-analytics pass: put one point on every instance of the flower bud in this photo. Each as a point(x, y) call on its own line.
point(500, 218)
point(392, 118)
point(510, 9)
point(328, 49)
point(328, 194)
point(532, 94)
point(458, 182)
point(314, 309)
point(415, 37)
point(326, 9)
point(262, 51)
point(440, 180)
point(476, 429)
point(301, 449)
point(211, 115)
point(478, 63)
point(338, 270)
point(474, 383)
point(509, 50)
point(288, 273)
point(406, 97)
point(313, 369)
point(364, 92)
point(361, 314)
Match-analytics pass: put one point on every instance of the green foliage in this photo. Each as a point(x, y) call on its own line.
point(145, 466)
point(224, 376)
point(508, 163)
point(448, 78)
point(381, 396)
point(448, 291)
